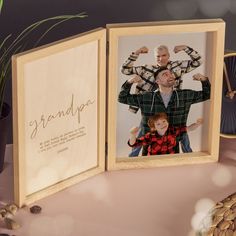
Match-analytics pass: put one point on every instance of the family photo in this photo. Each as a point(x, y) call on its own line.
point(163, 93)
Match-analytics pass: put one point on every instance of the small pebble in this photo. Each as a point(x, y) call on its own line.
point(11, 224)
point(35, 209)
point(11, 208)
point(3, 212)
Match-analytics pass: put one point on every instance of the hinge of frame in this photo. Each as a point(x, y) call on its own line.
point(107, 48)
point(106, 149)
point(106, 155)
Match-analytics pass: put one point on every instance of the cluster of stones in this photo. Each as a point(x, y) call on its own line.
point(7, 213)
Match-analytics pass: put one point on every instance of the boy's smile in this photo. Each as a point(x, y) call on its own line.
point(161, 126)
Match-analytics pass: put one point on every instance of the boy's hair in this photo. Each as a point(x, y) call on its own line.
point(152, 119)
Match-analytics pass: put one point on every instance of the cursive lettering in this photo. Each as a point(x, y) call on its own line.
point(72, 110)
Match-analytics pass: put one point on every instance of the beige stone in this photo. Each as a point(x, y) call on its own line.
point(11, 208)
point(3, 212)
point(11, 224)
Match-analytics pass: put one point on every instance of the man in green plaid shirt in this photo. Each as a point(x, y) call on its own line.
point(177, 104)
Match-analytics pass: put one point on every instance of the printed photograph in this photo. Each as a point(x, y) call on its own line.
point(164, 89)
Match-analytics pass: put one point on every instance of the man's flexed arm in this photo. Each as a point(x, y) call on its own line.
point(203, 95)
point(128, 67)
point(189, 65)
point(127, 98)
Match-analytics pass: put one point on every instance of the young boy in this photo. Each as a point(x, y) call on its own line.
point(162, 139)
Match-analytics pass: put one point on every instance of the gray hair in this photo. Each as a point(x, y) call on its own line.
point(161, 48)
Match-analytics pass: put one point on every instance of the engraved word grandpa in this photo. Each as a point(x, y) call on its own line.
point(72, 110)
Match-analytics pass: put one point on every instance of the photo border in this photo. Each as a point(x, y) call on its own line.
point(214, 26)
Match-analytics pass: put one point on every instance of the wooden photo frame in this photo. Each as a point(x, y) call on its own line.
point(68, 124)
point(204, 36)
point(59, 93)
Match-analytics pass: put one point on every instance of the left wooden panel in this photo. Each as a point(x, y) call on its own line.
point(58, 115)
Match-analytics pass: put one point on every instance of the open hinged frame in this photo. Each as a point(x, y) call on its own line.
point(60, 102)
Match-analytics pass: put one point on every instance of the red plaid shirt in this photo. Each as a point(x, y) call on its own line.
point(157, 144)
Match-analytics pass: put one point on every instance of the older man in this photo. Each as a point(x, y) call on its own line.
point(175, 103)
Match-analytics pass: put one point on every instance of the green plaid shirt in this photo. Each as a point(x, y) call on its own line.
point(151, 103)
